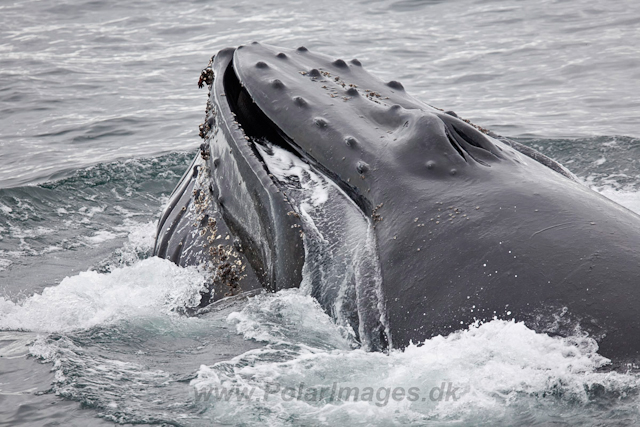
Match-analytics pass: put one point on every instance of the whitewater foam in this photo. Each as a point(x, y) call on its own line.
point(629, 198)
point(91, 298)
point(496, 371)
point(287, 317)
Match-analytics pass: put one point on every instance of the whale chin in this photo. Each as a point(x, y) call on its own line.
point(403, 221)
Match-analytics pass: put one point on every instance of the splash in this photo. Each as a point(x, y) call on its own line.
point(497, 373)
point(91, 298)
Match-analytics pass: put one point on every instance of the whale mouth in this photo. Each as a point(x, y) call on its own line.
point(258, 127)
point(341, 269)
point(248, 115)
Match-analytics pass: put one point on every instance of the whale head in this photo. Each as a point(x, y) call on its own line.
point(465, 225)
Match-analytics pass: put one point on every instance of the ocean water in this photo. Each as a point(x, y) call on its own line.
point(99, 114)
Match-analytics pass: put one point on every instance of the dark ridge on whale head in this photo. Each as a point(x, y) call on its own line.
point(354, 61)
point(282, 55)
point(395, 85)
point(300, 101)
point(277, 84)
point(350, 141)
point(261, 64)
point(302, 49)
point(362, 167)
point(320, 122)
point(340, 63)
point(352, 91)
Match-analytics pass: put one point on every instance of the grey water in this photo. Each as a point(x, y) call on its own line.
point(99, 115)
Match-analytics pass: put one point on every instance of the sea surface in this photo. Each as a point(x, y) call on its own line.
point(99, 115)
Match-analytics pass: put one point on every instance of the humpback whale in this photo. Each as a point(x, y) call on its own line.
point(403, 220)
